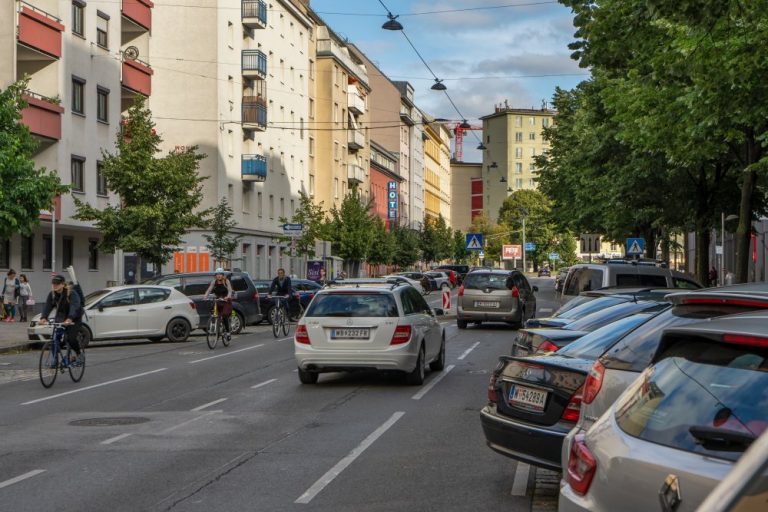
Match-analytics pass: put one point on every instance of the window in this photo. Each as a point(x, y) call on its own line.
point(282, 207)
point(531, 183)
point(311, 184)
point(518, 136)
point(67, 251)
point(531, 135)
point(238, 283)
point(311, 146)
point(336, 188)
point(102, 27)
point(311, 108)
point(101, 180)
point(518, 121)
point(335, 75)
point(5, 253)
point(335, 112)
point(518, 168)
point(102, 104)
point(532, 167)
point(27, 251)
point(78, 164)
point(245, 197)
point(259, 203)
point(271, 206)
point(47, 252)
point(533, 151)
point(311, 69)
point(518, 152)
point(152, 295)
point(545, 122)
point(336, 151)
point(77, 17)
point(93, 254)
point(78, 95)
point(119, 298)
point(532, 121)
point(518, 183)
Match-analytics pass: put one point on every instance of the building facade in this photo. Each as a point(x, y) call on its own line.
point(437, 179)
point(467, 188)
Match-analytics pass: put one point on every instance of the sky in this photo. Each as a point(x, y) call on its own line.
point(490, 52)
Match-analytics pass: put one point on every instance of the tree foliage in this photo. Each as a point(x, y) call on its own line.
point(312, 217)
point(222, 243)
point(406, 247)
point(383, 244)
point(460, 252)
point(351, 228)
point(436, 240)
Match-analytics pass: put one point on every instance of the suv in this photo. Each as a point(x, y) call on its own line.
point(369, 325)
point(495, 296)
point(245, 306)
point(304, 289)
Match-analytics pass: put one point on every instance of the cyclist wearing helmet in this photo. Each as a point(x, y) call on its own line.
point(222, 289)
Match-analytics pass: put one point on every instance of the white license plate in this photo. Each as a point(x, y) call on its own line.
point(521, 395)
point(486, 304)
point(350, 334)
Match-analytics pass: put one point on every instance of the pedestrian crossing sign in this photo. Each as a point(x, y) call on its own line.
point(474, 241)
point(635, 246)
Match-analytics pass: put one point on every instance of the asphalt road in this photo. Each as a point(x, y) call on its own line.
point(179, 427)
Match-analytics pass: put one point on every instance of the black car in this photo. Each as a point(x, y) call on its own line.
point(194, 284)
point(304, 291)
point(461, 271)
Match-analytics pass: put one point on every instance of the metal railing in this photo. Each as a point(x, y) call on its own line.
point(254, 9)
point(254, 167)
point(254, 111)
point(254, 60)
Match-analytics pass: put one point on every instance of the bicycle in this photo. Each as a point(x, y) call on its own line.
point(215, 329)
point(53, 359)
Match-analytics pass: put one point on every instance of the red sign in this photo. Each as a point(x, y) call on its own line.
point(46, 214)
point(510, 252)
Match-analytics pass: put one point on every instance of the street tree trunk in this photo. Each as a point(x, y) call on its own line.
point(703, 234)
point(753, 152)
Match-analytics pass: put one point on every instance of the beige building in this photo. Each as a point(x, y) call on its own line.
point(466, 193)
point(437, 168)
point(513, 138)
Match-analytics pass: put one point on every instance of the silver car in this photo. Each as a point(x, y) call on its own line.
point(679, 428)
point(370, 325)
point(495, 296)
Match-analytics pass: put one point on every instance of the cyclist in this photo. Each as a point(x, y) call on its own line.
point(222, 289)
point(282, 286)
point(69, 311)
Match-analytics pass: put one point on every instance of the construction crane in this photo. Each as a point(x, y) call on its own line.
point(458, 130)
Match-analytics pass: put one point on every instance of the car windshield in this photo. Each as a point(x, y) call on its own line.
point(481, 281)
point(613, 313)
point(94, 296)
point(591, 306)
point(598, 341)
point(355, 304)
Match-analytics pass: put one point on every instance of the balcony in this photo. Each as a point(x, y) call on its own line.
point(405, 115)
point(355, 103)
point(356, 140)
point(137, 76)
point(330, 48)
point(42, 116)
point(253, 168)
point(139, 12)
point(253, 13)
point(254, 64)
point(254, 113)
point(355, 174)
point(39, 34)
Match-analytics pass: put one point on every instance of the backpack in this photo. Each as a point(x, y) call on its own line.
point(79, 291)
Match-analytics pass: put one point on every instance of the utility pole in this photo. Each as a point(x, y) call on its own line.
point(524, 267)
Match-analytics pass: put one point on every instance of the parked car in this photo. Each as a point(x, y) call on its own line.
point(678, 429)
point(461, 271)
point(411, 278)
point(544, 272)
point(560, 279)
point(133, 311)
point(453, 276)
point(442, 281)
point(304, 291)
point(495, 296)
point(245, 306)
point(534, 401)
point(364, 326)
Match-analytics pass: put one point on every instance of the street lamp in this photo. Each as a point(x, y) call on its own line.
point(438, 85)
point(723, 218)
point(392, 23)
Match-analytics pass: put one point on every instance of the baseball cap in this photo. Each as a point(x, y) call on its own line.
point(58, 279)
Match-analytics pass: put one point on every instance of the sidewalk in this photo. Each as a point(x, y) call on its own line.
point(13, 336)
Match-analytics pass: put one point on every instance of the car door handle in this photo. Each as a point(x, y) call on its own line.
point(131, 310)
point(168, 307)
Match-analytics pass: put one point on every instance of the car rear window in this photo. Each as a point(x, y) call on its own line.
point(345, 304)
point(627, 280)
point(592, 345)
point(239, 284)
point(613, 313)
point(698, 393)
point(481, 281)
point(583, 280)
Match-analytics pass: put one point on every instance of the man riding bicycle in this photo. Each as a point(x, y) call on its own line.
point(69, 311)
point(223, 292)
point(282, 287)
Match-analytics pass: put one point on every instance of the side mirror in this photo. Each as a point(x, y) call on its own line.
point(101, 308)
point(535, 288)
point(439, 311)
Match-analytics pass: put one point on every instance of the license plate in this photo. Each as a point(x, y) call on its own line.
point(350, 334)
point(486, 304)
point(533, 398)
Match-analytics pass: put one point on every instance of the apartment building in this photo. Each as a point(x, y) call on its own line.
point(466, 193)
point(437, 179)
point(513, 138)
point(240, 91)
point(85, 62)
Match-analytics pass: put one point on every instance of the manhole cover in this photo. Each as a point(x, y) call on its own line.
point(109, 422)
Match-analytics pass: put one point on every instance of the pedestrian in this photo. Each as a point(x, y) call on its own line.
point(712, 276)
point(10, 293)
point(26, 300)
point(323, 279)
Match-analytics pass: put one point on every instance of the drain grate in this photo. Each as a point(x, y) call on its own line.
point(109, 421)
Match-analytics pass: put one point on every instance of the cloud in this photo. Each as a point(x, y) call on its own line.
point(528, 64)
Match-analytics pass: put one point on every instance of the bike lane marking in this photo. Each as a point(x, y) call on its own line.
point(205, 406)
point(270, 381)
point(466, 352)
point(116, 439)
point(20, 478)
point(226, 354)
point(432, 383)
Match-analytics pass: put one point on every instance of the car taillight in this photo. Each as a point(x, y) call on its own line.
point(515, 292)
point(547, 346)
point(302, 336)
point(594, 382)
point(192, 305)
point(741, 339)
point(311, 296)
point(256, 296)
point(461, 290)
point(725, 301)
point(492, 395)
point(581, 466)
point(573, 409)
point(402, 335)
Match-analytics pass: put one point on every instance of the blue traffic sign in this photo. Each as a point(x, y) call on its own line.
point(554, 256)
point(293, 227)
point(530, 246)
point(635, 246)
point(474, 241)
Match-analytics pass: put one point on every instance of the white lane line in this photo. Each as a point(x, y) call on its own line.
point(116, 438)
point(349, 459)
point(19, 478)
point(226, 354)
point(520, 484)
point(545, 310)
point(270, 381)
point(185, 423)
point(432, 383)
point(78, 390)
point(466, 352)
point(205, 406)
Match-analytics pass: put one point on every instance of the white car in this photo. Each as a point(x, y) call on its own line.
point(135, 311)
point(441, 278)
point(407, 278)
point(369, 326)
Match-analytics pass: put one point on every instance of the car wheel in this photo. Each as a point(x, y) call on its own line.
point(84, 336)
point(461, 324)
point(178, 330)
point(438, 364)
point(236, 323)
point(155, 339)
point(308, 377)
point(270, 316)
point(416, 377)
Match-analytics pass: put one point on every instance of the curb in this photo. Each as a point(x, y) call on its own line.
point(21, 346)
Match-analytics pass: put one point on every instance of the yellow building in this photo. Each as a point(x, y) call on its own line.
point(437, 167)
point(514, 138)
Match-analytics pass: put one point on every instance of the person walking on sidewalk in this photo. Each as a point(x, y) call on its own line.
point(25, 298)
point(11, 290)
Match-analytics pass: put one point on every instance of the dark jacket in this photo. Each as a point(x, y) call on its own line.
point(276, 289)
point(67, 305)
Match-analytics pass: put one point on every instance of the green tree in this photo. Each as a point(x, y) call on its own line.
point(460, 252)
point(383, 244)
point(24, 189)
point(158, 196)
point(444, 239)
point(351, 229)
point(535, 207)
point(406, 247)
point(222, 243)
point(495, 235)
point(312, 217)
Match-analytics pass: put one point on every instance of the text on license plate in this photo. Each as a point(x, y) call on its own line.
point(350, 333)
point(522, 395)
point(486, 304)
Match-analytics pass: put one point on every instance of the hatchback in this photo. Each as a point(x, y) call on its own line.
point(369, 326)
point(495, 296)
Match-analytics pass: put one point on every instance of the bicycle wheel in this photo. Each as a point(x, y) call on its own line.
point(212, 336)
point(276, 323)
point(286, 323)
point(49, 366)
point(77, 368)
point(225, 336)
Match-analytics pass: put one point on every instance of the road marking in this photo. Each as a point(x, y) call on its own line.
point(432, 383)
point(349, 459)
point(205, 406)
point(94, 386)
point(115, 439)
point(185, 423)
point(520, 483)
point(226, 354)
point(545, 310)
point(466, 352)
point(19, 478)
point(270, 381)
